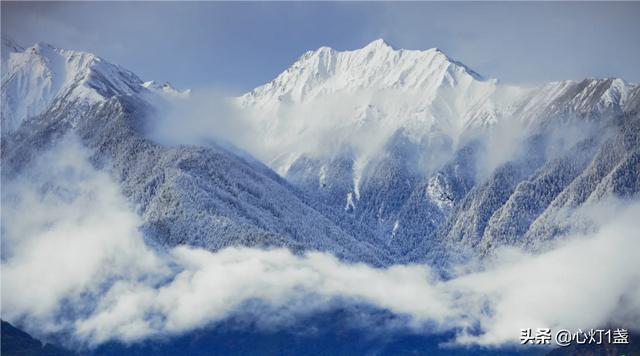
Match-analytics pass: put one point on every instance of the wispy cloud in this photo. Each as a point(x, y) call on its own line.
point(74, 261)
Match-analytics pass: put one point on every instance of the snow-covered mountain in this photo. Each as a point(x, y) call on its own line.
point(367, 94)
point(373, 92)
point(405, 141)
point(383, 155)
point(202, 196)
point(43, 77)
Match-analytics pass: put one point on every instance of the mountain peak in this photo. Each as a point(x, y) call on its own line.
point(376, 66)
point(166, 88)
point(378, 44)
point(54, 73)
point(41, 45)
point(372, 89)
point(43, 49)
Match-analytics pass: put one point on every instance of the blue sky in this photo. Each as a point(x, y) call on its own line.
point(237, 46)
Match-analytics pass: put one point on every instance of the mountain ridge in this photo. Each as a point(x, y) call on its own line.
point(390, 175)
point(40, 76)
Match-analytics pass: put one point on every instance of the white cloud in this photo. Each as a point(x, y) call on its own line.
point(65, 230)
point(74, 260)
point(579, 284)
point(357, 124)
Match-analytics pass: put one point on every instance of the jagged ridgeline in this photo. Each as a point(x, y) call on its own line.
point(376, 155)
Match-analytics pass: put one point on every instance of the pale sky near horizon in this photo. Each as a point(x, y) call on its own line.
point(238, 46)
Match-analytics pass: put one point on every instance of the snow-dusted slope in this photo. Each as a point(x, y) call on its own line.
point(207, 196)
point(377, 65)
point(390, 155)
point(422, 148)
point(569, 99)
point(361, 98)
point(43, 77)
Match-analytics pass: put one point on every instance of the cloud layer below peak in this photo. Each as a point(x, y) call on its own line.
point(73, 261)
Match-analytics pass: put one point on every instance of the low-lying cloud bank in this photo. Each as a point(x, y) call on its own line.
point(74, 261)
